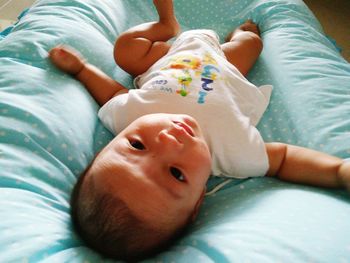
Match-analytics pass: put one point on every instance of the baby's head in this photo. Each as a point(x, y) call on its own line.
point(144, 187)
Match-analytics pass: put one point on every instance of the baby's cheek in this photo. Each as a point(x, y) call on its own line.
point(207, 159)
point(204, 163)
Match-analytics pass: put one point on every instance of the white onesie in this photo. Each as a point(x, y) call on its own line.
point(195, 78)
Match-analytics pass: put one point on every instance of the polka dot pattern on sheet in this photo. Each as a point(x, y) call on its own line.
point(49, 132)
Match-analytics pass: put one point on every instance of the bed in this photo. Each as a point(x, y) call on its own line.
point(49, 132)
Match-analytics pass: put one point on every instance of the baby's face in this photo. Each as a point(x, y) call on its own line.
point(159, 163)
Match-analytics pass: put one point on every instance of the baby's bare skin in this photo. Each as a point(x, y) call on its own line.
point(165, 9)
point(147, 43)
point(249, 26)
point(243, 46)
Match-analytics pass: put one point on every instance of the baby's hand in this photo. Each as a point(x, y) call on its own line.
point(344, 175)
point(66, 59)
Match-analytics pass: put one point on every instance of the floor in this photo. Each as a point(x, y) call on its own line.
point(10, 9)
point(334, 16)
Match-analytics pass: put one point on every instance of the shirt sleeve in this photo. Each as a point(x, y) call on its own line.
point(123, 109)
point(111, 113)
point(238, 149)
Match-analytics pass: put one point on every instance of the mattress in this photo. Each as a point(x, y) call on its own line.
point(49, 132)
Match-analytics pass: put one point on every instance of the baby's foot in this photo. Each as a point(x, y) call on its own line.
point(66, 59)
point(249, 26)
point(165, 9)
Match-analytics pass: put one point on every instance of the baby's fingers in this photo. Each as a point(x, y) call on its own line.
point(66, 59)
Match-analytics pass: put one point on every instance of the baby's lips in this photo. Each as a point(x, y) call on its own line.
point(184, 126)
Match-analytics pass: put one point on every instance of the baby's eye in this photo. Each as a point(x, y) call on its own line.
point(137, 145)
point(177, 174)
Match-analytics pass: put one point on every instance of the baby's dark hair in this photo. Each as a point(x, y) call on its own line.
point(108, 226)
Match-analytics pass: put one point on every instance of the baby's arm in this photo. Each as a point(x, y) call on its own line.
point(305, 166)
point(100, 85)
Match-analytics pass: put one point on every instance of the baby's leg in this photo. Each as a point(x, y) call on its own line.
point(141, 46)
point(243, 46)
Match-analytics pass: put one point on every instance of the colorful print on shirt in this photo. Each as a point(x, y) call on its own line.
point(186, 68)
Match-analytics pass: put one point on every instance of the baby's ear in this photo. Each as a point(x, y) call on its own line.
point(198, 205)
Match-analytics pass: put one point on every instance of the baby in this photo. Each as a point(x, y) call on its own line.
point(192, 116)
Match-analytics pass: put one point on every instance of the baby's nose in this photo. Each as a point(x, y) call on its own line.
point(169, 142)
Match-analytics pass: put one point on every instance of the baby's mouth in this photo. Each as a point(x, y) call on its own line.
point(184, 126)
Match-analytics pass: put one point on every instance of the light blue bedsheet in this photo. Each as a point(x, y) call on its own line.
point(49, 132)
